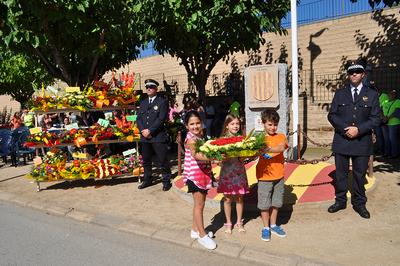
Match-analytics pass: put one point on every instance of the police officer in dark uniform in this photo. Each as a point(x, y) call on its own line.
point(354, 113)
point(151, 119)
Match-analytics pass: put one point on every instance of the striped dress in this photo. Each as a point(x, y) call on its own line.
point(199, 172)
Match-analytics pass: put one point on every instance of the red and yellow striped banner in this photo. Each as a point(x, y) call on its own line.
point(303, 183)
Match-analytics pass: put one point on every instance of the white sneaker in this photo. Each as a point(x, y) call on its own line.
point(195, 235)
point(207, 242)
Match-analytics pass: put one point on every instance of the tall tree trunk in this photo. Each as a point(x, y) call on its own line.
point(200, 82)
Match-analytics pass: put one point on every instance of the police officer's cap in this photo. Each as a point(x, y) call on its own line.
point(150, 83)
point(355, 66)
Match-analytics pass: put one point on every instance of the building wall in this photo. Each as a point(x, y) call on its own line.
point(323, 48)
point(8, 103)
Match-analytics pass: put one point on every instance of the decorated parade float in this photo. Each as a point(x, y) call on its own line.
point(52, 144)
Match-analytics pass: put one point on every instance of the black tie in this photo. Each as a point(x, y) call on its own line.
point(355, 96)
point(151, 100)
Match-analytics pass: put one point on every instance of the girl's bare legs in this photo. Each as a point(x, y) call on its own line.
point(239, 212)
point(228, 213)
point(239, 208)
point(198, 207)
point(228, 208)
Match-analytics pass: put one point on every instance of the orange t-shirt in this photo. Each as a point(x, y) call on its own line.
point(273, 168)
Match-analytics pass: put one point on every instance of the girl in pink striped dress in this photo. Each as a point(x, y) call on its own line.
point(197, 176)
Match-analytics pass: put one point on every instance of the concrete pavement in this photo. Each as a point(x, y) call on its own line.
point(315, 237)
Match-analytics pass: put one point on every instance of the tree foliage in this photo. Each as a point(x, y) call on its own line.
point(76, 41)
point(20, 76)
point(200, 33)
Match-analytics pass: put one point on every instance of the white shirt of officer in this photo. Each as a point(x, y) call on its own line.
point(151, 99)
point(358, 89)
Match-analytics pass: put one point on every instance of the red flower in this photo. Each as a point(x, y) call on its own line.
point(226, 141)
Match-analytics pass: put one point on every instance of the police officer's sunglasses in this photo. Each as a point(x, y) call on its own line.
point(151, 87)
point(355, 71)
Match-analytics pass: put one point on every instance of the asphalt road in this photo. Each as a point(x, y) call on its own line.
point(29, 237)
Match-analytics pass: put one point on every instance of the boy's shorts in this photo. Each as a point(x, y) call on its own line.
point(270, 194)
point(193, 188)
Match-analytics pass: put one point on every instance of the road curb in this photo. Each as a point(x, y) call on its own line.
point(179, 237)
point(137, 228)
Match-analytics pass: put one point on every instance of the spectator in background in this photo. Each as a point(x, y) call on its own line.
point(55, 119)
point(173, 110)
point(188, 106)
point(66, 121)
point(198, 106)
point(28, 118)
point(210, 116)
point(46, 122)
point(383, 100)
point(72, 117)
point(390, 132)
point(16, 121)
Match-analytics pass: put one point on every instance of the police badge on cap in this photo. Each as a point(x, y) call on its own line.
point(150, 83)
point(355, 67)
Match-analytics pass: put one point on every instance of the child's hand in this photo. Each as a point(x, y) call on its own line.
point(217, 162)
point(267, 156)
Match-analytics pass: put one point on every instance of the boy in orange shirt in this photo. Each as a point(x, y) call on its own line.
point(269, 172)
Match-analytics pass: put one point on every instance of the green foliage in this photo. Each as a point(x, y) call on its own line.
point(201, 33)
point(76, 41)
point(20, 76)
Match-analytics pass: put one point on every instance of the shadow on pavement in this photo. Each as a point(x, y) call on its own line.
point(13, 177)
point(92, 183)
point(251, 212)
point(387, 165)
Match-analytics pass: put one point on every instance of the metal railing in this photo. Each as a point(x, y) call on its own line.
point(321, 87)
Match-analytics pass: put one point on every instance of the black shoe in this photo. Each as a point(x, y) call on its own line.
point(336, 207)
point(145, 184)
point(362, 211)
point(166, 186)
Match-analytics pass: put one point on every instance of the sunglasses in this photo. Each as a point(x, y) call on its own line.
point(151, 87)
point(355, 71)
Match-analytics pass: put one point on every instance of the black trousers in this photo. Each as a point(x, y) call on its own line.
point(160, 150)
point(359, 166)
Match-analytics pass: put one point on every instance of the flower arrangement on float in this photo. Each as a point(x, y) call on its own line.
point(43, 102)
point(97, 132)
point(80, 137)
point(124, 89)
point(42, 138)
point(130, 132)
point(118, 92)
point(49, 168)
point(53, 167)
point(236, 146)
point(76, 100)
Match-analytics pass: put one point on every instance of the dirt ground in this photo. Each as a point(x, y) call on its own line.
point(342, 238)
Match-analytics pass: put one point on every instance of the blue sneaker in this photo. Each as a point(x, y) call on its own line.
point(277, 230)
point(265, 235)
